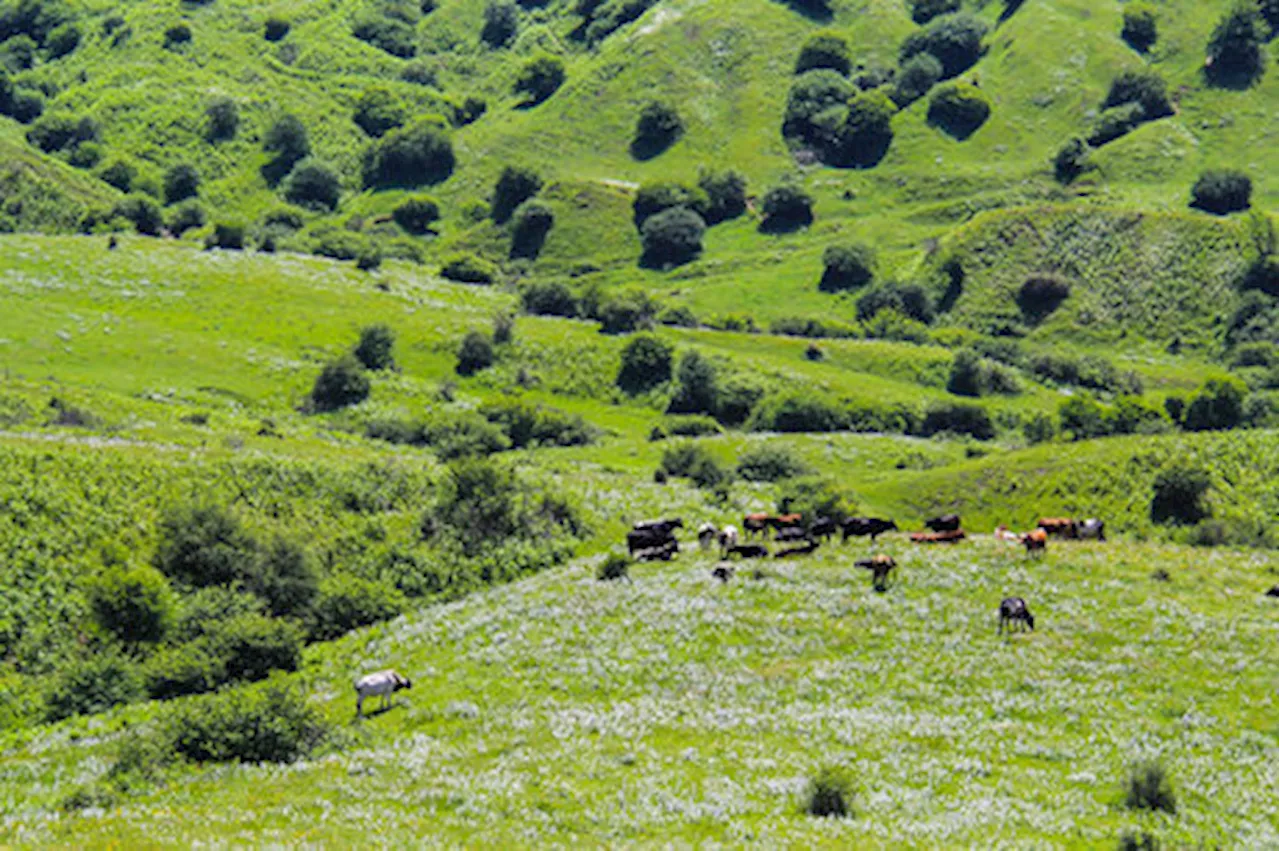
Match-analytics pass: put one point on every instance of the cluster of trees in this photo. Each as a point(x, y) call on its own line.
point(672, 217)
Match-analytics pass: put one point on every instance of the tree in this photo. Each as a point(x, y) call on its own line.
point(1071, 161)
point(913, 81)
point(646, 363)
point(786, 207)
point(416, 215)
point(1143, 87)
point(376, 348)
point(342, 382)
point(549, 298)
point(1177, 495)
point(1216, 406)
point(134, 604)
point(864, 137)
point(501, 20)
point(846, 267)
point(313, 184)
point(474, 354)
point(959, 109)
point(410, 156)
point(924, 11)
point(726, 193)
point(1139, 29)
point(1235, 48)
point(825, 50)
point(530, 225)
point(657, 128)
point(697, 385)
point(1222, 191)
point(812, 94)
point(955, 40)
point(539, 79)
point(222, 119)
point(672, 237)
point(287, 139)
point(654, 198)
point(379, 111)
point(514, 186)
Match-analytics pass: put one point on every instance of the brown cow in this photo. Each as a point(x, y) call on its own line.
point(1059, 527)
point(1035, 541)
point(944, 523)
point(880, 567)
point(951, 537)
point(755, 524)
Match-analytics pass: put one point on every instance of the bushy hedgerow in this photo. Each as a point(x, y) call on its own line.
point(959, 418)
point(1088, 371)
point(685, 425)
point(416, 215)
point(847, 266)
point(770, 463)
point(314, 185)
point(671, 237)
point(959, 109)
point(646, 363)
point(514, 186)
point(1139, 29)
point(410, 156)
point(726, 193)
point(475, 353)
point(1178, 495)
point(1234, 54)
point(530, 225)
point(222, 119)
point(468, 268)
point(955, 40)
point(386, 33)
point(549, 298)
point(378, 111)
point(184, 217)
point(800, 411)
point(786, 207)
point(825, 50)
point(270, 723)
point(1222, 191)
point(349, 602)
point(658, 126)
point(924, 11)
point(133, 604)
point(539, 79)
point(1071, 160)
point(501, 21)
point(376, 347)
point(807, 326)
point(341, 383)
point(92, 685)
point(914, 80)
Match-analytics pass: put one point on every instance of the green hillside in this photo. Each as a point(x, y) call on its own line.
point(351, 335)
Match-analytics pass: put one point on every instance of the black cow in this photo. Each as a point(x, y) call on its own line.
point(792, 533)
point(645, 539)
point(945, 523)
point(665, 526)
point(662, 552)
point(748, 551)
point(723, 572)
point(823, 527)
point(1093, 529)
point(856, 527)
point(1015, 609)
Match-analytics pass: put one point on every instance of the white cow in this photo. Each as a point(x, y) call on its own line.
point(382, 684)
point(728, 538)
point(706, 534)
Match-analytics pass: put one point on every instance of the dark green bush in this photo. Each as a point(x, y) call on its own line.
point(645, 364)
point(621, 313)
point(829, 794)
point(183, 669)
point(18, 53)
point(786, 207)
point(1071, 160)
point(85, 155)
point(678, 316)
point(416, 215)
point(226, 235)
point(924, 11)
point(176, 35)
point(654, 198)
point(726, 193)
point(222, 119)
point(134, 604)
point(26, 106)
point(800, 411)
point(410, 156)
point(314, 185)
point(468, 268)
point(802, 326)
point(847, 266)
point(608, 16)
point(916, 77)
point(1085, 417)
point(342, 382)
point(461, 434)
point(955, 40)
point(386, 33)
point(1216, 406)
point(501, 20)
point(1222, 191)
point(287, 139)
point(474, 354)
point(657, 128)
point(1254, 319)
point(348, 602)
point(691, 460)
point(1143, 87)
point(1148, 788)
point(469, 111)
point(182, 181)
point(204, 608)
point(974, 375)
point(274, 29)
point(539, 79)
point(959, 109)
point(1139, 29)
point(769, 462)
point(186, 216)
point(251, 646)
point(738, 396)
point(1235, 55)
point(549, 298)
point(478, 502)
point(825, 50)
point(1041, 295)
point(283, 574)
point(118, 173)
point(270, 723)
point(92, 685)
point(530, 225)
point(529, 425)
point(58, 132)
point(514, 186)
point(142, 211)
point(1178, 494)
point(62, 41)
point(910, 300)
point(813, 94)
point(378, 111)
point(671, 238)
point(865, 135)
point(615, 566)
point(687, 425)
point(376, 347)
point(697, 385)
point(959, 418)
point(814, 496)
point(203, 544)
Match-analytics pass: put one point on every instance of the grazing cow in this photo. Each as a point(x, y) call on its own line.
point(728, 537)
point(643, 539)
point(856, 527)
point(723, 572)
point(792, 533)
point(1093, 529)
point(802, 550)
point(1035, 541)
point(1274, 591)
point(1002, 533)
point(707, 534)
point(665, 527)
point(755, 524)
point(382, 684)
point(880, 566)
point(747, 551)
point(782, 521)
point(952, 537)
point(1015, 609)
point(823, 527)
point(1059, 527)
point(945, 523)
point(659, 552)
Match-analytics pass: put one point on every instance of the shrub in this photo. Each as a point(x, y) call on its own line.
point(376, 348)
point(142, 211)
point(959, 418)
point(1071, 160)
point(410, 156)
point(274, 29)
point(695, 462)
point(57, 132)
point(800, 411)
point(26, 106)
point(177, 34)
point(645, 364)
point(910, 300)
point(813, 94)
point(657, 128)
point(1235, 47)
point(530, 225)
point(477, 500)
point(416, 215)
point(829, 794)
point(738, 395)
point(672, 237)
point(549, 298)
point(342, 382)
point(1039, 428)
point(1177, 495)
point(349, 602)
point(1084, 417)
point(270, 723)
point(924, 11)
point(627, 311)
point(678, 316)
point(62, 41)
point(770, 463)
point(186, 216)
point(865, 135)
point(378, 111)
point(786, 207)
point(825, 50)
point(118, 173)
point(222, 119)
point(1222, 191)
point(462, 434)
point(92, 685)
point(1148, 788)
point(469, 111)
point(917, 75)
point(697, 390)
point(287, 139)
point(468, 268)
point(846, 267)
point(539, 79)
point(959, 109)
point(501, 20)
point(313, 184)
point(474, 354)
point(615, 566)
point(1253, 319)
point(954, 40)
point(726, 193)
point(1139, 29)
point(205, 608)
point(251, 646)
point(1260, 409)
point(226, 235)
point(85, 155)
point(134, 604)
point(18, 53)
point(1217, 405)
point(1145, 88)
point(974, 375)
point(691, 425)
point(514, 186)
point(191, 668)
point(203, 544)
point(654, 198)
point(1041, 295)
point(386, 33)
point(535, 425)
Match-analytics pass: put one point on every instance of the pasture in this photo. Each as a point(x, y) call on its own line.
point(560, 710)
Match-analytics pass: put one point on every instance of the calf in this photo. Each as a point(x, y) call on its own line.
point(747, 551)
point(1035, 541)
point(1059, 527)
point(1015, 609)
point(1093, 529)
point(1002, 533)
point(382, 684)
point(880, 566)
point(723, 572)
point(707, 534)
point(945, 523)
point(856, 527)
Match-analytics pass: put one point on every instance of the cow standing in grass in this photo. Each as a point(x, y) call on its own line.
point(1035, 541)
point(707, 534)
point(1015, 609)
point(944, 523)
point(857, 527)
point(880, 566)
point(1093, 529)
point(382, 684)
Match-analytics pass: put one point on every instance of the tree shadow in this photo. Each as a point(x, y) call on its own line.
point(1232, 79)
point(780, 224)
point(818, 11)
point(1010, 7)
point(954, 272)
point(647, 147)
point(276, 170)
